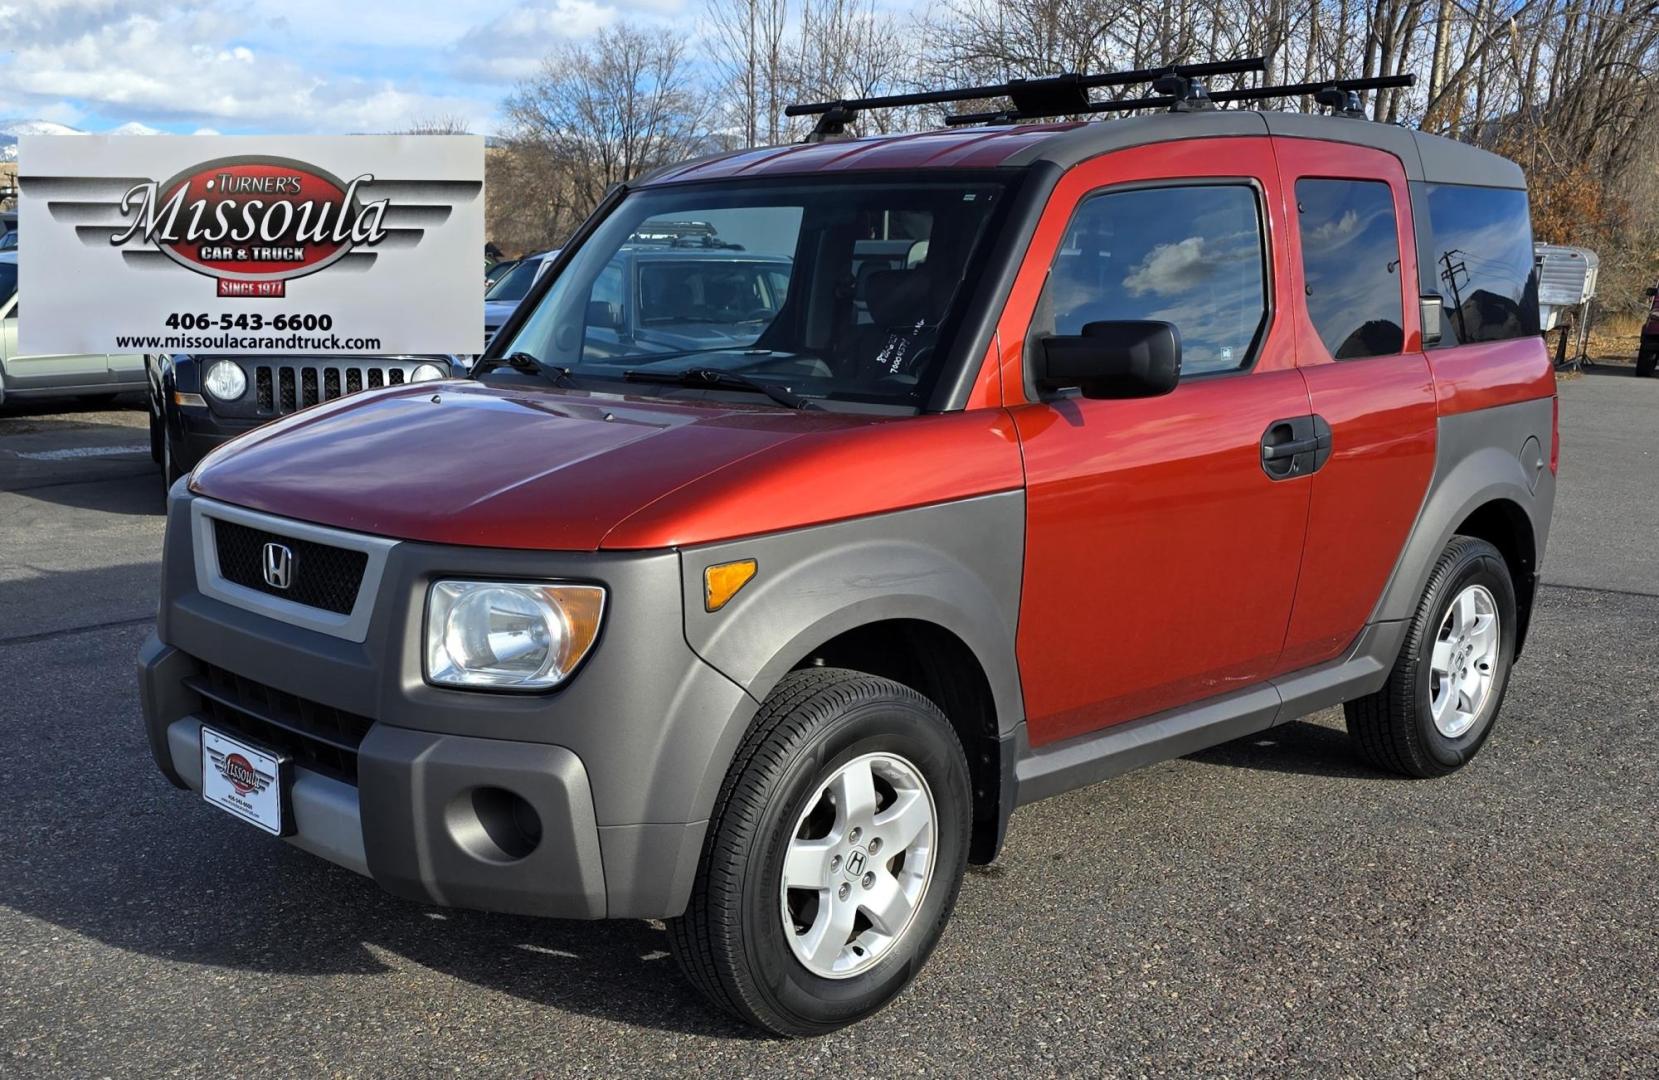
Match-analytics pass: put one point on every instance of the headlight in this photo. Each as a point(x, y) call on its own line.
point(508, 635)
point(226, 381)
point(428, 372)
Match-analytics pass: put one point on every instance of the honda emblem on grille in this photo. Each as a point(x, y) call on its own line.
point(279, 566)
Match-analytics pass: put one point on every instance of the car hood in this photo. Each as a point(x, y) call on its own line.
point(460, 462)
point(497, 312)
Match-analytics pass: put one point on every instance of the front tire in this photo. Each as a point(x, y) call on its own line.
point(1443, 696)
point(1646, 361)
point(170, 471)
point(834, 857)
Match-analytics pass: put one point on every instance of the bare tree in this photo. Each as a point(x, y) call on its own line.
point(749, 51)
point(605, 111)
point(442, 124)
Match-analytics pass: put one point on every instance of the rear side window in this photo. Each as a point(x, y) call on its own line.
point(1475, 253)
point(1192, 256)
point(1351, 263)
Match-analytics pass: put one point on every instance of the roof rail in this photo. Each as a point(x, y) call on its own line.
point(1186, 94)
point(1053, 95)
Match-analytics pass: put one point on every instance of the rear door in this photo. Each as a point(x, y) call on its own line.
point(1161, 555)
point(1358, 344)
point(48, 372)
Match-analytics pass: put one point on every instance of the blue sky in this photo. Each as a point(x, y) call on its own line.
point(301, 66)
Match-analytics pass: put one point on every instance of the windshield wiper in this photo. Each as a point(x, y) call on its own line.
point(523, 361)
point(715, 378)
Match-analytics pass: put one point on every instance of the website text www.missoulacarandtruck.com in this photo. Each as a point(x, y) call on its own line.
point(298, 343)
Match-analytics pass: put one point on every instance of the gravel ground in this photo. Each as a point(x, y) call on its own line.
point(1269, 906)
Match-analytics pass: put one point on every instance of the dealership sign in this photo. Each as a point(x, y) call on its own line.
point(245, 244)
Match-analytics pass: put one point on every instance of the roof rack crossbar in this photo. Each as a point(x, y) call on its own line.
point(1051, 95)
point(1342, 95)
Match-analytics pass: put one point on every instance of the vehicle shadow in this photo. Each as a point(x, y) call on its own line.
point(1606, 368)
point(112, 485)
point(1298, 746)
point(93, 840)
point(26, 408)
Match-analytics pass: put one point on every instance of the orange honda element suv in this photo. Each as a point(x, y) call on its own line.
point(987, 462)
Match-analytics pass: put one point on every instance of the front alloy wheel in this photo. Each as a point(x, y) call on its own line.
point(834, 855)
point(859, 865)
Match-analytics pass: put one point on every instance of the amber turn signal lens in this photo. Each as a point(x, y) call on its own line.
point(721, 582)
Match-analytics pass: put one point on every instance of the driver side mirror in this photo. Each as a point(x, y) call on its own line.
point(1652, 291)
point(603, 313)
point(1127, 359)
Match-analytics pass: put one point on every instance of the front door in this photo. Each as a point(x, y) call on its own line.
point(1162, 548)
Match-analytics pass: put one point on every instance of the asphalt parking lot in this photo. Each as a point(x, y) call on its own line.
point(1271, 906)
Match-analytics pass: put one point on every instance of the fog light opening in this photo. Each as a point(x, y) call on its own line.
point(493, 824)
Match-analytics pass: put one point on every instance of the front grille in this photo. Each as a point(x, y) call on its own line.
point(318, 737)
point(280, 389)
point(320, 575)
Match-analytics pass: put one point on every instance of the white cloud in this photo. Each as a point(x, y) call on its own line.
point(1169, 268)
point(511, 45)
point(190, 60)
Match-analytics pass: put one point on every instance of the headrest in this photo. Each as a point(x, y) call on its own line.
point(900, 297)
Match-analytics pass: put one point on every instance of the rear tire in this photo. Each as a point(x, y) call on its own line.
point(1646, 361)
point(1441, 700)
point(871, 880)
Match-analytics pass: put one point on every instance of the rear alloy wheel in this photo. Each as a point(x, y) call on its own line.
point(1439, 704)
point(834, 856)
point(1464, 662)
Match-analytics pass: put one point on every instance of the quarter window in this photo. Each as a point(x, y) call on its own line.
point(1478, 257)
point(1351, 265)
point(1191, 256)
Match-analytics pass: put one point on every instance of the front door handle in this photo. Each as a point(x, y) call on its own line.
point(1276, 451)
point(1295, 446)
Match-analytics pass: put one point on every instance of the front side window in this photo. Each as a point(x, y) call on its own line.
point(1191, 256)
point(1351, 265)
point(1478, 258)
point(846, 291)
point(8, 281)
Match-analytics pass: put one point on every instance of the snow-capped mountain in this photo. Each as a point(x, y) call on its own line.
point(11, 129)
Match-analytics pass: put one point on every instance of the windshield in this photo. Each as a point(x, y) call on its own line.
point(846, 290)
point(515, 283)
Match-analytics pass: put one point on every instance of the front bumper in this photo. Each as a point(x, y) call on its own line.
point(416, 822)
point(619, 768)
point(199, 430)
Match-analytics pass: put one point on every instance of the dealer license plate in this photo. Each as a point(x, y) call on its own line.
point(244, 780)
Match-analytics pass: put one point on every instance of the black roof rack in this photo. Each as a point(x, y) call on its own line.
point(1183, 93)
point(1053, 95)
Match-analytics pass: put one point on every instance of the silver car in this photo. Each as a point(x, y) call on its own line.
point(25, 378)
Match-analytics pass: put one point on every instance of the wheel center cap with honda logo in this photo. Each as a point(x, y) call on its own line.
point(857, 859)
